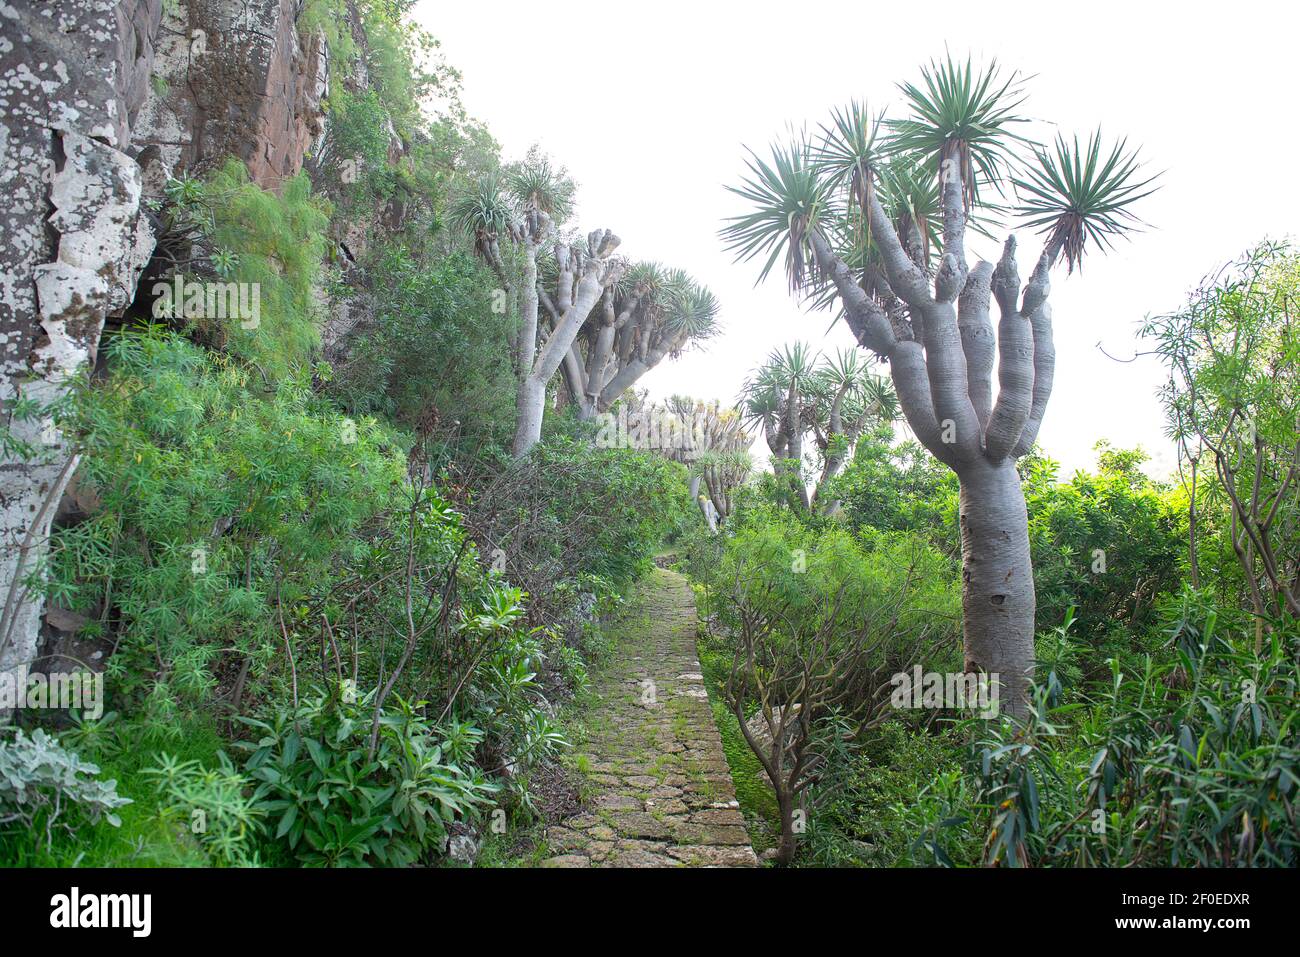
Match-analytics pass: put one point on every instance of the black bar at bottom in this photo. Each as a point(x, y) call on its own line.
point(337, 907)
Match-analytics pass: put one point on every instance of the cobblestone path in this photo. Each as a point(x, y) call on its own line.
point(657, 791)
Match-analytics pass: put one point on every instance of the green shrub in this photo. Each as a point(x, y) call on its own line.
point(335, 801)
point(273, 243)
point(41, 782)
point(1189, 761)
point(570, 512)
point(773, 559)
point(895, 487)
point(1110, 544)
point(214, 805)
point(812, 623)
point(437, 345)
point(216, 501)
point(864, 808)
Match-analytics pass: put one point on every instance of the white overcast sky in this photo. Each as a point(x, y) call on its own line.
point(650, 106)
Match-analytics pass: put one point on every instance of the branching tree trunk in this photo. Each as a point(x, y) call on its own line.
point(582, 275)
point(715, 452)
point(945, 396)
point(648, 316)
point(602, 332)
point(929, 317)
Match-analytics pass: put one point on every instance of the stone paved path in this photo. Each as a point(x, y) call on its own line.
point(658, 792)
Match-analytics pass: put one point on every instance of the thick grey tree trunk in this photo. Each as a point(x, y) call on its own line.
point(530, 408)
point(582, 277)
point(629, 340)
point(997, 578)
point(704, 503)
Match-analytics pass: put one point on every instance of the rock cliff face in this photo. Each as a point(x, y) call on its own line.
point(80, 68)
point(233, 78)
point(72, 76)
point(90, 90)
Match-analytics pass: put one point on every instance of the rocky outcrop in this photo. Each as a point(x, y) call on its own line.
point(71, 79)
point(100, 102)
point(83, 70)
point(344, 317)
point(234, 78)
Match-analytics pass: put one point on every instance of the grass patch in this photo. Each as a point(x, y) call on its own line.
point(753, 791)
point(145, 839)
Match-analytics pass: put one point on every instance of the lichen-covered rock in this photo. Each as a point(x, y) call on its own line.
point(71, 77)
point(345, 317)
point(463, 848)
point(80, 67)
point(104, 242)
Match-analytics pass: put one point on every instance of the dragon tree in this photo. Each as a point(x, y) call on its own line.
point(872, 217)
point(833, 397)
point(600, 321)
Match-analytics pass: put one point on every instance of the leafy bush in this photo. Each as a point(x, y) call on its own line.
point(436, 344)
point(273, 243)
point(237, 533)
point(1110, 544)
point(1232, 406)
point(570, 512)
point(214, 805)
point(359, 128)
point(818, 572)
point(898, 487)
point(508, 701)
point(1193, 760)
point(814, 623)
point(212, 499)
point(40, 780)
point(864, 808)
point(336, 800)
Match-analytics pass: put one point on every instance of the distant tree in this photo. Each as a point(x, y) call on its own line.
point(848, 399)
point(795, 394)
point(650, 313)
point(775, 400)
point(715, 451)
point(626, 317)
